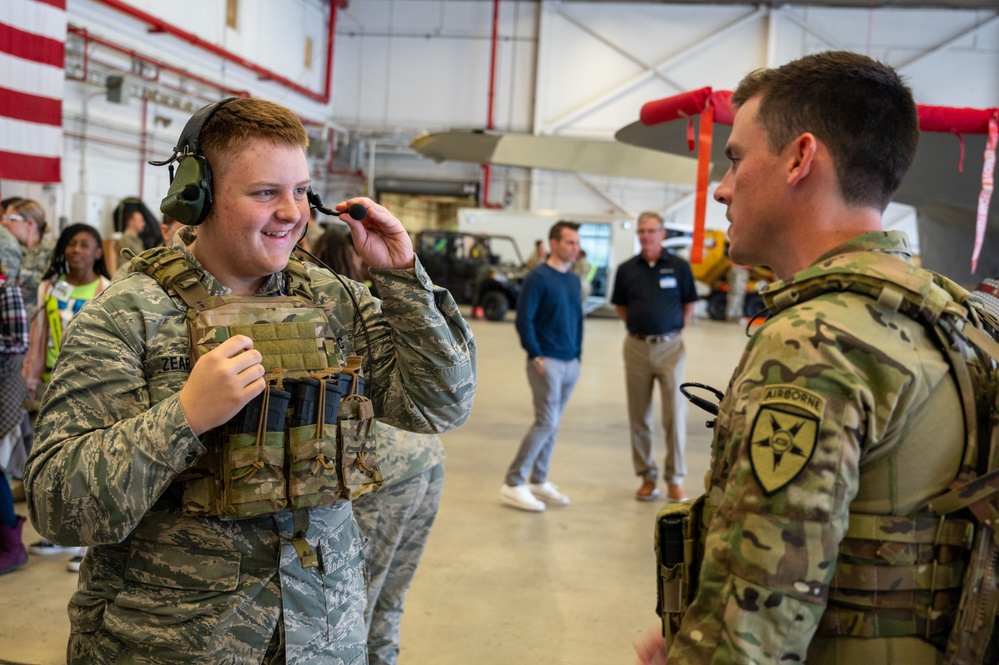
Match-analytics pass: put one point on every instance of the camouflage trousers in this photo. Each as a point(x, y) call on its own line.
point(222, 606)
point(397, 521)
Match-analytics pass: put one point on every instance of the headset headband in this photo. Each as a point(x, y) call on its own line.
point(190, 139)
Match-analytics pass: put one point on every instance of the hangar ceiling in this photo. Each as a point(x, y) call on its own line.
point(857, 4)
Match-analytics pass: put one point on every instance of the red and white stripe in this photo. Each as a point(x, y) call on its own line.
point(32, 48)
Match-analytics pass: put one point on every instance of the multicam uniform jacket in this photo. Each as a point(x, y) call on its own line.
point(160, 587)
point(837, 405)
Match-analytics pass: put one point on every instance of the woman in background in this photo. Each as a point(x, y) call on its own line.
point(397, 518)
point(25, 219)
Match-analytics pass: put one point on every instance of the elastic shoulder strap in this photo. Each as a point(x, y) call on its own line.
point(178, 276)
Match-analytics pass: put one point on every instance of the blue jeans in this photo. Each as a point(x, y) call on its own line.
point(7, 515)
point(551, 390)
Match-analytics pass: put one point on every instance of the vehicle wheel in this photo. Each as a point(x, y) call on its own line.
point(717, 302)
point(495, 305)
point(754, 304)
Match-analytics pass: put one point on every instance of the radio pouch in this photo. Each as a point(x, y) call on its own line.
point(360, 472)
point(678, 553)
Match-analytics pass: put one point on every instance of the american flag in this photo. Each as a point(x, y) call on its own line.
point(32, 47)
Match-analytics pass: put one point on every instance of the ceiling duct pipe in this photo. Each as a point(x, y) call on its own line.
point(487, 171)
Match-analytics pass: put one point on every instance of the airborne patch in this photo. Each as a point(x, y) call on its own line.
point(784, 435)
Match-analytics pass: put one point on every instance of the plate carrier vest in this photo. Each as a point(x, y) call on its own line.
point(935, 572)
point(306, 440)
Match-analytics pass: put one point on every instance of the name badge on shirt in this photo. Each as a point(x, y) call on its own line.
point(61, 291)
point(667, 282)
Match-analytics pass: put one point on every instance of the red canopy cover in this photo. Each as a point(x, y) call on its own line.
point(931, 118)
point(716, 106)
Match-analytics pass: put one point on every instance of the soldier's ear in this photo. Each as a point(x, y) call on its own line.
point(800, 157)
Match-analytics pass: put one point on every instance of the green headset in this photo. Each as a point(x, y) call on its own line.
point(189, 198)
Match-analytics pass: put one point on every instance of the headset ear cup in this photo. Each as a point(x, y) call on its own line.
point(189, 198)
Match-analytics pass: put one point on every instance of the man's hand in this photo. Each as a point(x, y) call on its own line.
point(651, 648)
point(379, 238)
point(221, 383)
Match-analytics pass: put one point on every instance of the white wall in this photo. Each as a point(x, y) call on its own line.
point(425, 64)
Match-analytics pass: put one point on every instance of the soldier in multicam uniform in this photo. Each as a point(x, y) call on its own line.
point(839, 405)
point(127, 411)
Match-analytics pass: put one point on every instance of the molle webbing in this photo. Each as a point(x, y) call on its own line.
point(290, 332)
point(844, 622)
point(900, 286)
point(175, 273)
point(919, 530)
point(897, 576)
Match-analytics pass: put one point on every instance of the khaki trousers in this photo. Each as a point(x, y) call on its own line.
point(646, 362)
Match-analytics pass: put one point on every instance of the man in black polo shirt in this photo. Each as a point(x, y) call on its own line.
point(655, 296)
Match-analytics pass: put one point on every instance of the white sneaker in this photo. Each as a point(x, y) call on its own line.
point(46, 547)
point(520, 497)
point(73, 565)
point(548, 492)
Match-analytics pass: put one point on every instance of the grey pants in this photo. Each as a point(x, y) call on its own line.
point(551, 390)
point(644, 364)
point(396, 521)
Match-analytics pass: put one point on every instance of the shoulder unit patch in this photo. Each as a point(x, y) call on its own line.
point(784, 435)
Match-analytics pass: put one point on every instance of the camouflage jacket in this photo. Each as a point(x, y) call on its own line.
point(403, 455)
point(10, 255)
point(160, 587)
point(837, 405)
point(34, 264)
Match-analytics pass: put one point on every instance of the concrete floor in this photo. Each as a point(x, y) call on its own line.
point(573, 585)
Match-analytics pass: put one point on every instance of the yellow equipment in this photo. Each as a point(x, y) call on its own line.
point(713, 272)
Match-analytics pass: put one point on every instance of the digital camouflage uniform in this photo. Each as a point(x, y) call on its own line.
point(10, 255)
point(160, 587)
point(33, 265)
point(837, 405)
point(396, 520)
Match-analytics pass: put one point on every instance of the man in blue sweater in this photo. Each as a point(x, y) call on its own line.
point(550, 325)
